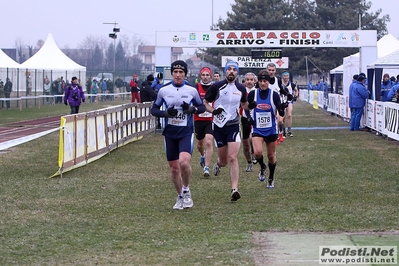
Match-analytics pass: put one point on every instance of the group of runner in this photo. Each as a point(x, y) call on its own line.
point(214, 109)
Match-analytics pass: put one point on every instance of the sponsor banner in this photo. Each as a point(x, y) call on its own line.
point(267, 38)
point(391, 117)
point(333, 105)
point(249, 62)
point(358, 255)
point(379, 117)
point(370, 114)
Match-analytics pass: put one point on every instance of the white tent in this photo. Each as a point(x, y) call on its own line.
point(6, 61)
point(385, 46)
point(50, 57)
point(49, 62)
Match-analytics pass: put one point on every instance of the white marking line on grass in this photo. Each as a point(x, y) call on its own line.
point(322, 139)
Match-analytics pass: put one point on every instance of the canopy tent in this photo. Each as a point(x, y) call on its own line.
point(385, 46)
point(336, 79)
point(49, 62)
point(50, 57)
point(8, 67)
point(388, 64)
point(6, 61)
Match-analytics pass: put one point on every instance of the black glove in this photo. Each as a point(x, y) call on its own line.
point(217, 111)
point(294, 98)
point(171, 112)
point(65, 103)
point(252, 105)
point(187, 109)
point(251, 122)
point(289, 97)
point(83, 100)
point(284, 91)
point(283, 106)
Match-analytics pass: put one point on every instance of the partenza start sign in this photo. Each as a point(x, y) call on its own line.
point(249, 62)
point(267, 39)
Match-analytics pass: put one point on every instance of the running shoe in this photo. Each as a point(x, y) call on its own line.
point(206, 171)
point(202, 161)
point(249, 168)
point(270, 183)
point(254, 161)
point(290, 134)
point(284, 135)
point(187, 200)
point(281, 137)
point(235, 195)
point(216, 169)
point(179, 203)
point(262, 175)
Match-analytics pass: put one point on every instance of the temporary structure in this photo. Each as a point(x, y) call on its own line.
point(6, 61)
point(50, 57)
point(49, 62)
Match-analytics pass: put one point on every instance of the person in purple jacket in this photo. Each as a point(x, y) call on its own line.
point(74, 95)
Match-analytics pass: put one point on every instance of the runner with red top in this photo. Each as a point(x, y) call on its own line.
point(203, 123)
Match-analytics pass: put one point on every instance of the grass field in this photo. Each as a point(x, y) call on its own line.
point(118, 210)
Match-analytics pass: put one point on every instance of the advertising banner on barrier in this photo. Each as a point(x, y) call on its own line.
point(391, 117)
point(86, 137)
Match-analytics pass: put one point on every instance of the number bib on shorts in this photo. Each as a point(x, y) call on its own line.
point(263, 120)
point(179, 120)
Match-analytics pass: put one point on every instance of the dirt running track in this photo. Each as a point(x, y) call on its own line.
point(25, 128)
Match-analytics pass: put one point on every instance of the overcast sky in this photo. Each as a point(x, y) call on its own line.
point(72, 21)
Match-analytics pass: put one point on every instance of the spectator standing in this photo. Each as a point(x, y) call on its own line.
point(47, 88)
point(386, 86)
point(227, 96)
point(158, 82)
point(74, 95)
point(134, 89)
point(104, 90)
point(110, 88)
point(88, 87)
point(94, 90)
point(118, 85)
point(147, 92)
point(7, 91)
point(357, 100)
point(181, 101)
point(393, 94)
point(2, 94)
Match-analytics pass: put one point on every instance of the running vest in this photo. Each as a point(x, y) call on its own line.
point(205, 116)
point(265, 114)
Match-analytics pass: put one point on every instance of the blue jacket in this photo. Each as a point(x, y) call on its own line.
point(357, 95)
point(392, 92)
point(385, 88)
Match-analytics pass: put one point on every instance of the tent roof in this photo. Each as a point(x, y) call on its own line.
point(386, 45)
point(339, 69)
point(389, 61)
point(6, 61)
point(50, 57)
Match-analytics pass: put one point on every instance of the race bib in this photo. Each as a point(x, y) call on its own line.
point(221, 119)
point(263, 120)
point(206, 114)
point(179, 120)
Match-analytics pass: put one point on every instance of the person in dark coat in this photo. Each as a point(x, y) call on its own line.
point(147, 93)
